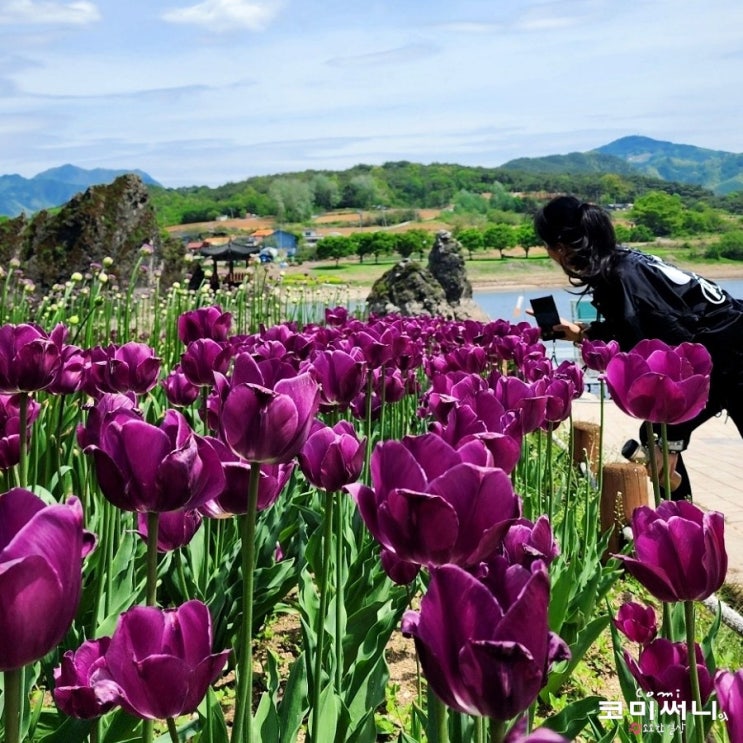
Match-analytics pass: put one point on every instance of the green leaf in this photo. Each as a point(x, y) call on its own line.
point(266, 720)
point(294, 704)
point(573, 718)
point(577, 650)
point(329, 712)
point(214, 728)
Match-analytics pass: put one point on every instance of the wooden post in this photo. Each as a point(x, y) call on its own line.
point(624, 488)
point(586, 444)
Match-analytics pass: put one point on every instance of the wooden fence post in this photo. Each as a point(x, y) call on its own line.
point(624, 488)
point(586, 444)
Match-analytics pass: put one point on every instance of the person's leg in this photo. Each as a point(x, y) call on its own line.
point(679, 436)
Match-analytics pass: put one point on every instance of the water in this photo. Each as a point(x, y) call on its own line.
point(511, 305)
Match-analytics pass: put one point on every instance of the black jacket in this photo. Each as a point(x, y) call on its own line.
point(643, 297)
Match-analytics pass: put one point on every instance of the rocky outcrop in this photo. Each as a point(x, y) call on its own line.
point(446, 264)
point(113, 220)
point(440, 290)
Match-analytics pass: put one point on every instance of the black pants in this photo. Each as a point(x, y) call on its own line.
point(682, 432)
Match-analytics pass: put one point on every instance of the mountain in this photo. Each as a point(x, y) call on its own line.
point(715, 170)
point(718, 171)
point(53, 187)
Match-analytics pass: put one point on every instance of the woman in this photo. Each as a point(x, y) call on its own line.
point(639, 296)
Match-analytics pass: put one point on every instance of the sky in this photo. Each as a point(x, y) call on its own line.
point(206, 92)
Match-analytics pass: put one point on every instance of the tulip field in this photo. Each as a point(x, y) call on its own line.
point(186, 473)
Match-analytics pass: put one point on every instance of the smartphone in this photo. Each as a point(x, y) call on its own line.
point(547, 316)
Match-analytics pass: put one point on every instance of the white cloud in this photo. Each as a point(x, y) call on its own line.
point(226, 15)
point(79, 12)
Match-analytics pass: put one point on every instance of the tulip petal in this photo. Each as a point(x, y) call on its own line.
point(421, 527)
point(34, 595)
point(503, 675)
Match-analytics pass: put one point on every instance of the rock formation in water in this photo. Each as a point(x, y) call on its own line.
point(442, 289)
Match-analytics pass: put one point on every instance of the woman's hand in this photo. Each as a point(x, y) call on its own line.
point(571, 331)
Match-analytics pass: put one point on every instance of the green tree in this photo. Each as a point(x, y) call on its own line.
point(471, 239)
point(383, 243)
point(466, 202)
point(326, 192)
point(362, 191)
point(293, 199)
point(412, 241)
point(363, 244)
point(661, 213)
point(527, 238)
point(334, 247)
point(730, 245)
point(499, 236)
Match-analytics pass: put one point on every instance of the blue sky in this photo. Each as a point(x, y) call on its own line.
point(210, 91)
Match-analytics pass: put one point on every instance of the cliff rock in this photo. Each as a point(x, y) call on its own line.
point(113, 220)
point(440, 290)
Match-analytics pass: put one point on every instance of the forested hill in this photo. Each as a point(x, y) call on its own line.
point(714, 170)
point(294, 197)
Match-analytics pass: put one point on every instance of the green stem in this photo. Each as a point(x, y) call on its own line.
point(652, 462)
point(339, 590)
point(153, 522)
point(497, 730)
point(173, 730)
point(480, 730)
point(602, 398)
point(437, 709)
point(12, 704)
point(666, 470)
point(327, 534)
point(368, 422)
point(23, 439)
point(243, 727)
point(693, 671)
point(550, 474)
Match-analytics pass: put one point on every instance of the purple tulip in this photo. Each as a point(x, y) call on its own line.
point(660, 383)
point(729, 688)
point(174, 528)
point(71, 374)
point(162, 660)
point(263, 424)
point(679, 551)
point(332, 457)
point(597, 354)
point(41, 548)
point(132, 367)
point(484, 655)
point(29, 359)
point(636, 622)
point(234, 497)
point(522, 398)
point(399, 571)
point(559, 394)
point(141, 467)
point(663, 669)
point(431, 505)
point(202, 358)
point(10, 428)
point(82, 688)
point(178, 390)
point(526, 542)
point(341, 377)
point(204, 322)
point(107, 407)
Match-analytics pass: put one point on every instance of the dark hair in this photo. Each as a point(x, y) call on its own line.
point(586, 232)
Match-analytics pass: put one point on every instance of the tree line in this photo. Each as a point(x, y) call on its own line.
point(293, 198)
